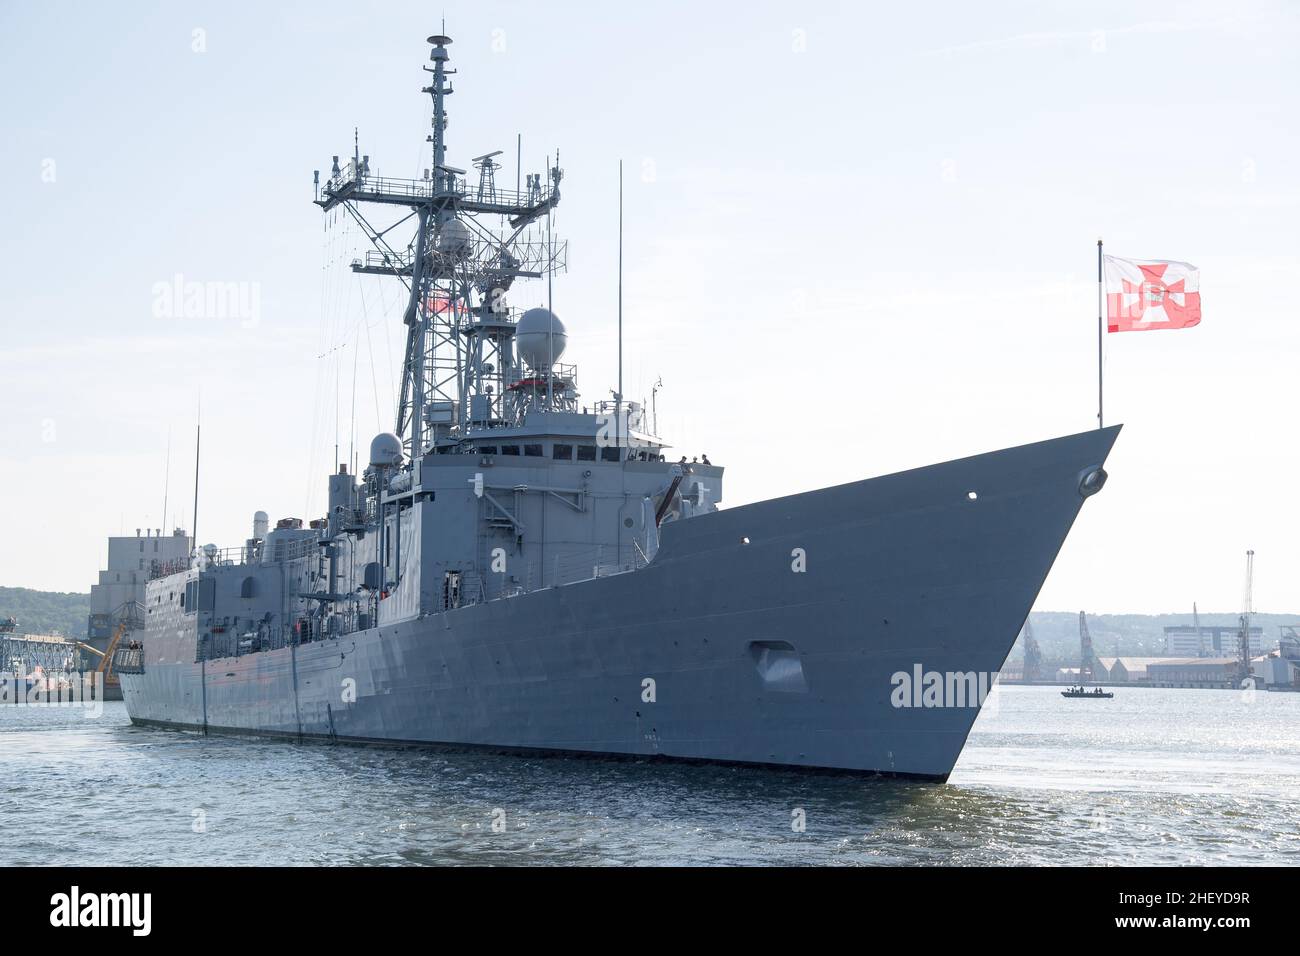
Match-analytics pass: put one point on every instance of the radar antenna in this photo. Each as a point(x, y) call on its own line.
point(461, 370)
point(487, 167)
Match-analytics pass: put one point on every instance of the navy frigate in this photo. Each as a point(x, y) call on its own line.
point(518, 571)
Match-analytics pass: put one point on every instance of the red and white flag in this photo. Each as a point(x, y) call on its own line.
point(437, 303)
point(1146, 294)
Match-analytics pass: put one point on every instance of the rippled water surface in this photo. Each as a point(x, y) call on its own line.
point(1151, 777)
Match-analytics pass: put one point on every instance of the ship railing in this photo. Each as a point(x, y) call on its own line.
point(281, 551)
point(429, 188)
point(571, 568)
point(378, 259)
point(161, 569)
point(241, 638)
point(297, 548)
point(416, 188)
point(562, 377)
point(634, 419)
point(235, 557)
point(531, 257)
point(223, 557)
point(236, 642)
point(128, 660)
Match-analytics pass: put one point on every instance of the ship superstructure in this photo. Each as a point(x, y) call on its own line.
point(518, 570)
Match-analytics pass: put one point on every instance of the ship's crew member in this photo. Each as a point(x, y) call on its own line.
point(695, 460)
point(683, 461)
point(706, 460)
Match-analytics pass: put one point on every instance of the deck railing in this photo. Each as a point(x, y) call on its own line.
point(128, 660)
point(429, 188)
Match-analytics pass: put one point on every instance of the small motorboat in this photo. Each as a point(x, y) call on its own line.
point(1095, 694)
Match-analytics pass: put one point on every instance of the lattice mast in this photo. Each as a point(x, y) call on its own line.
point(460, 368)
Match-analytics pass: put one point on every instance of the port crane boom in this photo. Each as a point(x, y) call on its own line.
point(1033, 655)
point(1086, 654)
point(1243, 633)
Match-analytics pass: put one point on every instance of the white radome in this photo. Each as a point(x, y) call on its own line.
point(385, 450)
point(540, 338)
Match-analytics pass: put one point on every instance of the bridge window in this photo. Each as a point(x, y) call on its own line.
point(609, 453)
point(586, 453)
point(510, 450)
point(487, 449)
point(562, 452)
point(533, 451)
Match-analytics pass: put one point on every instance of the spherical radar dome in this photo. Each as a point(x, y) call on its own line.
point(385, 450)
point(540, 338)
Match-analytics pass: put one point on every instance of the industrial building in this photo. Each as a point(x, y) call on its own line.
point(1278, 672)
point(1124, 670)
point(119, 593)
point(1281, 668)
point(1183, 640)
point(1194, 672)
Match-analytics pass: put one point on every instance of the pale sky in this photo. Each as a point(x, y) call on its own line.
point(859, 238)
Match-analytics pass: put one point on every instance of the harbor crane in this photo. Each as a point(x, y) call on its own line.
point(1086, 654)
point(1033, 655)
point(1243, 632)
point(105, 665)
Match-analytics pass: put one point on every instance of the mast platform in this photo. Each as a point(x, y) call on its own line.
point(519, 207)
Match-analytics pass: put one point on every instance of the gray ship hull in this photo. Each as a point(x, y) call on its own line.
point(722, 649)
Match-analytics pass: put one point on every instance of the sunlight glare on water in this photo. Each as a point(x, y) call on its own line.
point(1150, 777)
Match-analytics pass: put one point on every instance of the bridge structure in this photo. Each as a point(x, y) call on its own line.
point(25, 652)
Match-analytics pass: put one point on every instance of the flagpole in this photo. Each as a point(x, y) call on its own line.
point(1101, 299)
